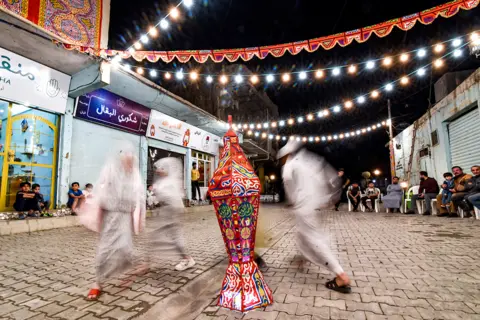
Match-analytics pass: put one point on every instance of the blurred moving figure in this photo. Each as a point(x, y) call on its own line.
point(166, 239)
point(307, 178)
point(117, 213)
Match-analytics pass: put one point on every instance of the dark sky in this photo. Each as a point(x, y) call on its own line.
point(216, 24)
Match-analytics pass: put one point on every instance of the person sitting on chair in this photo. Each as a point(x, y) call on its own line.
point(428, 190)
point(371, 193)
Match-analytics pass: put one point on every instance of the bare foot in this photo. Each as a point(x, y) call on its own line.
point(342, 279)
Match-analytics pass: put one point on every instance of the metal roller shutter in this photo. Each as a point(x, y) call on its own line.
point(464, 134)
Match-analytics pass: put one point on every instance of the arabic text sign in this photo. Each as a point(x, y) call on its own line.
point(110, 109)
point(166, 128)
point(30, 83)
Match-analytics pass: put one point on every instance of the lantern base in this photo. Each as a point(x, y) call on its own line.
point(244, 288)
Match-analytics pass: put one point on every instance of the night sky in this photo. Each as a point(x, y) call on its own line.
point(218, 24)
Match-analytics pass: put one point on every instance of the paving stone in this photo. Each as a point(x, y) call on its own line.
point(52, 309)
point(22, 314)
point(339, 304)
point(362, 306)
point(98, 308)
point(20, 298)
point(289, 308)
point(119, 314)
point(350, 315)
point(7, 308)
point(71, 314)
point(36, 303)
point(261, 315)
point(125, 303)
point(402, 311)
point(286, 316)
point(323, 312)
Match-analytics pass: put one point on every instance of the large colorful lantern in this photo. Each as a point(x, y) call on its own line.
point(235, 193)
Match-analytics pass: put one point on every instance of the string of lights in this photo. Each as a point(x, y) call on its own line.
point(153, 31)
point(315, 138)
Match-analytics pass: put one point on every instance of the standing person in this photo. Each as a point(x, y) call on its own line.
point(354, 194)
point(458, 193)
point(195, 184)
point(344, 181)
point(371, 193)
point(393, 199)
point(120, 212)
point(306, 177)
point(166, 239)
point(428, 190)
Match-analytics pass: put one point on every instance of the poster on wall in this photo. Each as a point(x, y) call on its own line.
point(32, 84)
point(168, 129)
point(107, 108)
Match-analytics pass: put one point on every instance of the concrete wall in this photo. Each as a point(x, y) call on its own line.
point(463, 99)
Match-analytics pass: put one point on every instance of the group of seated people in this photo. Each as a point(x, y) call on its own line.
point(459, 190)
point(356, 196)
point(30, 201)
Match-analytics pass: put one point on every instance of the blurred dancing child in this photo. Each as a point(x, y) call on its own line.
point(306, 177)
point(119, 212)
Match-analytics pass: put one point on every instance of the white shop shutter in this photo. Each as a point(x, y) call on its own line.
point(464, 134)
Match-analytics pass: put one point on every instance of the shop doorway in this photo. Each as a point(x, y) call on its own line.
point(28, 151)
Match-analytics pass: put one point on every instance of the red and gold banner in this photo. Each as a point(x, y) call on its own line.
point(361, 35)
point(78, 22)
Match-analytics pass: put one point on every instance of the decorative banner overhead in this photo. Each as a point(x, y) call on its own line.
point(361, 35)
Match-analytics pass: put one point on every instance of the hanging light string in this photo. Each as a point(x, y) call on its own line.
point(348, 104)
point(302, 75)
point(152, 32)
point(315, 138)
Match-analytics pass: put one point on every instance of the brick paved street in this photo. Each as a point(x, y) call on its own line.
point(402, 267)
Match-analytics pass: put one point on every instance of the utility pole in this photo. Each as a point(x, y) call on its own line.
point(392, 150)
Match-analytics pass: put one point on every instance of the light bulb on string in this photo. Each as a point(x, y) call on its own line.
point(264, 135)
point(404, 80)
point(302, 75)
point(168, 76)
point(179, 75)
point(188, 3)
point(457, 42)
point(387, 61)
point(358, 132)
point(389, 87)
point(438, 63)
point(249, 132)
point(319, 74)
point(153, 73)
point(193, 75)
point(281, 123)
point(324, 138)
point(284, 138)
point(286, 77)
point(317, 139)
point(421, 53)
point(238, 79)
point(361, 99)
point(310, 139)
point(300, 119)
point(259, 126)
point(304, 139)
point(144, 39)
point(164, 24)
point(270, 136)
point(347, 135)
point(370, 65)
point(266, 125)
point(277, 138)
point(421, 72)
point(336, 71)
point(475, 38)
point(131, 50)
point(223, 79)
point(457, 53)
point(404, 57)
point(310, 117)
point(439, 48)
point(254, 79)
point(352, 69)
point(336, 109)
point(270, 78)
point(209, 79)
point(257, 134)
point(274, 124)
point(138, 45)
point(326, 113)
point(291, 121)
point(153, 31)
point(140, 70)
point(174, 13)
point(348, 104)
point(375, 94)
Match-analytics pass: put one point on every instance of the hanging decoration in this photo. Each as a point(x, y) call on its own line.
point(315, 138)
point(361, 35)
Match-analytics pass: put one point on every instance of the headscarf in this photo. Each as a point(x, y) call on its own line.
point(169, 188)
point(120, 188)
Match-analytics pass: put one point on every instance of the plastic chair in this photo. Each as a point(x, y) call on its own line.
point(477, 213)
point(434, 205)
point(412, 190)
point(377, 201)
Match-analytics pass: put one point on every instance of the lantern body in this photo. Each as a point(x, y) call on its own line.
point(235, 193)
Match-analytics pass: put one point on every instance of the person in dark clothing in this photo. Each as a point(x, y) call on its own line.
point(344, 185)
point(25, 200)
point(428, 190)
point(472, 189)
point(354, 194)
point(42, 204)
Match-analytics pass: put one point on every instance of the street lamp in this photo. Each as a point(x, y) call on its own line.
point(272, 177)
point(376, 172)
point(404, 185)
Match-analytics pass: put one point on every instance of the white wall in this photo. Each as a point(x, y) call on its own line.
point(92, 145)
point(462, 100)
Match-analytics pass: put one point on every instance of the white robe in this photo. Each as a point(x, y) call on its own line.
point(307, 184)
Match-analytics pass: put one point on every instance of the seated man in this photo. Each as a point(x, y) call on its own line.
point(42, 204)
point(25, 200)
point(354, 194)
point(75, 196)
point(393, 199)
point(428, 190)
point(371, 193)
point(472, 196)
point(458, 192)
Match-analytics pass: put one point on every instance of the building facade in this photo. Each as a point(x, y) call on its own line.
point(446, 136)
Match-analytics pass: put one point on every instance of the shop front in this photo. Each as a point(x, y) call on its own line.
point(104, 123)
point(32, 98)
point(189, 143)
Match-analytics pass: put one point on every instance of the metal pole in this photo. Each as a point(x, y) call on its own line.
point(392, 150)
